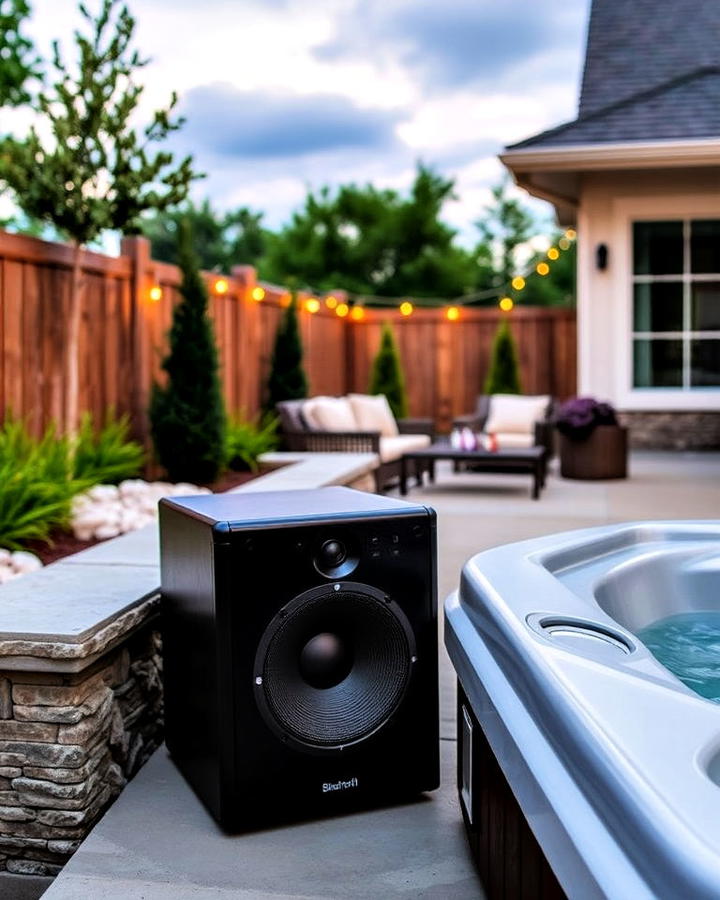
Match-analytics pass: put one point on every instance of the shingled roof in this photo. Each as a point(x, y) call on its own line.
point(652, 72)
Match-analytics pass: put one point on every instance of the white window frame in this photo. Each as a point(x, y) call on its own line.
point(626, 212)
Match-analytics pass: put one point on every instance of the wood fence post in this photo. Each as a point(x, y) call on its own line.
point(137, 249)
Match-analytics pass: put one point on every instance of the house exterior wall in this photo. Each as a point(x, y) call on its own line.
point(609, 203)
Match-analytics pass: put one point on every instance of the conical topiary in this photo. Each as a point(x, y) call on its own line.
point(504, 374)
point(386, 376)
point(287, 380)
point(187, 416)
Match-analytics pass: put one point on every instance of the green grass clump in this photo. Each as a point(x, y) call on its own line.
point(37, 484)
point(106, 455)
point(246, 440)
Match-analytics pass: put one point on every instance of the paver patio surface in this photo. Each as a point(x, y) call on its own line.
point(157, 842)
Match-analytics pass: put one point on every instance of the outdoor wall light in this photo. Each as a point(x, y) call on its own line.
point(601, 257)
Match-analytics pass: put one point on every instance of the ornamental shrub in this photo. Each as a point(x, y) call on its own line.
point(386, 375)
point(106, 454)
point(504, 374)
point(248, 439)
point(187, 416)
point(287, 380)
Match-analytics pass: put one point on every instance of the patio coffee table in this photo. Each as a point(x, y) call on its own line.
point(532, 460)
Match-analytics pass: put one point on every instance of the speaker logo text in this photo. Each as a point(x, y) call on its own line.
point(340, 785)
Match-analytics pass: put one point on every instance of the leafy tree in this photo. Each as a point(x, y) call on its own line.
point(221, 240)
point(504, 374)
point(386, 375)
point(372, 241)
point(287, 380)
point(187, 416)
point(18, 62)
point(557, 288)
point(505, 225)
point(95, 171)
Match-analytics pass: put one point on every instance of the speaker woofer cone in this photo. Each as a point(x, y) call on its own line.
point(333, 666)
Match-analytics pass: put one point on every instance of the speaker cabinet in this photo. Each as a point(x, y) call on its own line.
point(300, 651)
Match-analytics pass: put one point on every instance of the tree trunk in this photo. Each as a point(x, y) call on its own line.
point(72, 367)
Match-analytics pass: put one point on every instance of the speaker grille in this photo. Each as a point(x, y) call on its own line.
point(379, 644)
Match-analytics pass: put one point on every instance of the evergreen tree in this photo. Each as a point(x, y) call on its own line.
point(504, 374)
point(287, 380)
point(187, 416)
point(386, 376)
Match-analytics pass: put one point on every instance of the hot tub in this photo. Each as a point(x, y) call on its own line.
point(612, 760)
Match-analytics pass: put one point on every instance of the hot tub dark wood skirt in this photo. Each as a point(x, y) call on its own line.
point(509, 859)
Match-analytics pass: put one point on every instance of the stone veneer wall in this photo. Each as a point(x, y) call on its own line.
point(68, 744)
point(673, 430)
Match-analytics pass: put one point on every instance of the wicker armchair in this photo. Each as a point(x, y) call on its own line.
point(544, 429)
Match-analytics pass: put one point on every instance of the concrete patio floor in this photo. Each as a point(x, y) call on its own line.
point(158, 842)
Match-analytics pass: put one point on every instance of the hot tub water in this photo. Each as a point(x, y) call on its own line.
point(688, 645)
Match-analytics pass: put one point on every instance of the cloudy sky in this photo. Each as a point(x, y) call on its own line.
point(282, 95)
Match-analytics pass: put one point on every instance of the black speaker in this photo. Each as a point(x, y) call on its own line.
point(300, 651)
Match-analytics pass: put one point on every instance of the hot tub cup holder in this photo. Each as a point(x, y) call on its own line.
point(581, 635)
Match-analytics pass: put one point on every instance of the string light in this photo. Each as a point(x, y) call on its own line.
point(571, 234)
point(331, 302)
point(406, 308)
point(357, 313)
point(258, 294)
point(221, 286)
point(542, 268)
point(564, 243)
point(506, 304)
point(452, 313)
point(312, 305)
point(553, 253)
point(342, 309)
point(155, 293)
point(518, 283)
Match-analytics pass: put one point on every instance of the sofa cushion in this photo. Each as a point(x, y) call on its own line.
point(513, 440)
point(515, 414)
point(392, 448)
point(329, 414)
point(373, 413)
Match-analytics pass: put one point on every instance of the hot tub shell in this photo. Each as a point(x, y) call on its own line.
point(614, 763)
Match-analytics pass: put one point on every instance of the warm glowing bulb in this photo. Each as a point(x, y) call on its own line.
point(506, 304)
point(331, 302)
point(453, 313)
point(564, 243)
point(553, 253)
point(357, 313)
point(571, 234)
point(312, 305)
point(406, 308)
point(542, 268)
point(342, 309)
point(221, 286)
point(258, 294)
point(156, 293)
point(518, 283)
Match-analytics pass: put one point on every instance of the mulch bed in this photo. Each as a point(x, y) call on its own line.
point(64, 543)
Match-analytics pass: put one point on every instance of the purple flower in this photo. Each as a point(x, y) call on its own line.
point(578, 418)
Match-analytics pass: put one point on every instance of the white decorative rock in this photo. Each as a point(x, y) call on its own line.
point(4, 556)
point(103, 492)
point(107, 531)
point(23, 562)
point(7, 574)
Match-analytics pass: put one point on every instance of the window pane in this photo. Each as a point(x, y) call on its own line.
point(705, 309)
point(705, 246)
point(657, 363)
point(705, 363)
point(658, 248)
point(658, 306)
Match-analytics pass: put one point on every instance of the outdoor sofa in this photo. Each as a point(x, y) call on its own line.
point(357, 423)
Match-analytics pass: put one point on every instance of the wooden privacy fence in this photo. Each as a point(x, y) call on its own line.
point(125, 321)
